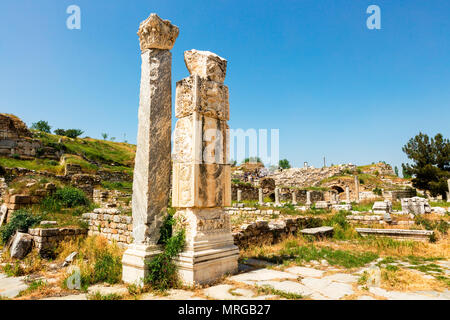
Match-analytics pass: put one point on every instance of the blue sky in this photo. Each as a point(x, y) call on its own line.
point(312, 69)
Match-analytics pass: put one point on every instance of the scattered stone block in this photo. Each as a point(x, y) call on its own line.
point(415, 205)
point(69, 258)
point(48, 223)
point(382, 207)
point(318, 232)
point(439, 210)
point(322, 205)
point(21, 245)
point(344, 207)
point(20, 199)
point(400, 234)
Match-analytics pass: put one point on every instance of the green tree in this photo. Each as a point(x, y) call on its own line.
point(396, 171)
point(73, 133)
point(431, 163)
point(41, 126)
point(59, 132)
point(104, 136)
point(284, 164)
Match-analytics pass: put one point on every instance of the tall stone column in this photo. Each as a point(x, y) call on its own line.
point(201, 170)
point(356, 189)
point(260, 197)
point(347, 195)
point(308, 199)
point(294, 198)
point(151, 180)
point(277, 197)
point(239, 195)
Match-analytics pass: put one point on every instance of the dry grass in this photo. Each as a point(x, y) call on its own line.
point(88, 248)
point(380, 246)
point(408, 280)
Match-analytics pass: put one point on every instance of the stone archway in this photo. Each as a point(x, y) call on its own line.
point(339, 189)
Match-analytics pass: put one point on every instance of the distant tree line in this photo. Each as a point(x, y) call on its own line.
point(430, 169)
point(43, 126)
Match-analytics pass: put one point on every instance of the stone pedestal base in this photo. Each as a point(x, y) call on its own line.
point(134, 260)
point(206, 266)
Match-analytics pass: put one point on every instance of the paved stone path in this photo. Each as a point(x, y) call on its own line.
point(259, 280)
point(10, 287)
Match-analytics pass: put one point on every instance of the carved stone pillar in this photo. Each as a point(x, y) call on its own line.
point(308, 199)
point(277, 197)
point(260, 197)
point(201, 170)
point(151, 180)
point(347, 195)
point(356, 189)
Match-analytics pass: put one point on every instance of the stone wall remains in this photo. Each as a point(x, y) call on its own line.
point(46, 240)
point(109, 223)
point(264, 232)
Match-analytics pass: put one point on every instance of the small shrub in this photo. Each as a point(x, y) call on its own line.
point(98, 296)
point(20, 221)
point(107, 268)
point(162, 269)
point(378, 191)
point(71, 197)
point(13, 270)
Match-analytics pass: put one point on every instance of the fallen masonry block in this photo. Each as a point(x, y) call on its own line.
point(339, 207)
point(400, 234)
point(382, 207)
point(318, 232)
point(20, 199)
point(322, 205)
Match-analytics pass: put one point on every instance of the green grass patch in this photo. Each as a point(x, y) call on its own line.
point(292, 251)
point(98, 296)
point(36, 164)
point(268, 290)
point(13, 270)
point(34, 286)
point(162, 270)
point(124, 186)
point(21, 220)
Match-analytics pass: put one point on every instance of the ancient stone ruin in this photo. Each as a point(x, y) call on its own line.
point(201, 172)
point(415, 205)
point(151, 182)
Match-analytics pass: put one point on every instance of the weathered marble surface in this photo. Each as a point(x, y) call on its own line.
point(201, 139)
point(151, 179)
point(195, 94)
point(206, 64)
point(152, 163)
point(201, 173)
point(201, 185)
